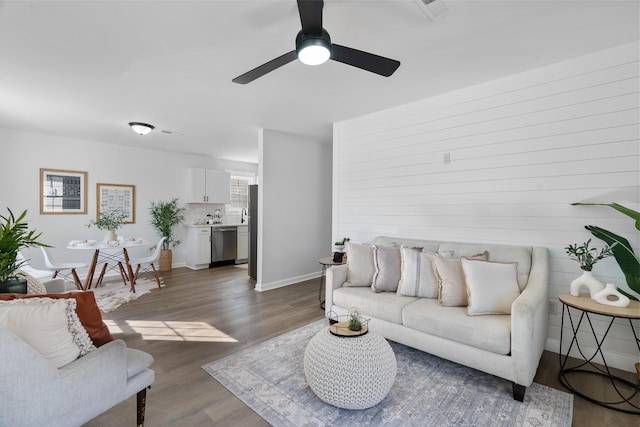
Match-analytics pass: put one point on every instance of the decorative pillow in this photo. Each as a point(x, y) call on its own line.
point(34, 286)
point(360, 268)
point(491, 286)
point(417, 276)
point(452, 289)
point(86, 309)
point(51, 326)
point(386, 260)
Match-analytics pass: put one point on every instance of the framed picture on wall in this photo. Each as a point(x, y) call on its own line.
point(116, 196)
point(63, 191)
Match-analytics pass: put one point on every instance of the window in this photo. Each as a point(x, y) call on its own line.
point(240, 191)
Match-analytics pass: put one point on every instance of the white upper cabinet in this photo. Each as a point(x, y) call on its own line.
point(208, 186)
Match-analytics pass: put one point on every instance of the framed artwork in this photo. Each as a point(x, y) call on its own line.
point(63, 192)
point(116, 196)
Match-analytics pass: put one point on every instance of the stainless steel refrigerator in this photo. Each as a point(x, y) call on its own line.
point(253, 231)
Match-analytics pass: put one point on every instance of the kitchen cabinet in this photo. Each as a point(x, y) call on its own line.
point(243, 243)
point(198, 244)
point(208, 186)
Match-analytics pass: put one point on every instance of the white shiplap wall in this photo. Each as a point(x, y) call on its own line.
point(521, 149)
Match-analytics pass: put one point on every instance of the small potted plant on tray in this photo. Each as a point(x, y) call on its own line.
point(587, 257)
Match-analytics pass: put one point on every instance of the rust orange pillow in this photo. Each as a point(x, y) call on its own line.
point(86, 309)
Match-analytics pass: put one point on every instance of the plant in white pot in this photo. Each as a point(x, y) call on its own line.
point(14, 235)
point(110, 221)
point(587, 257)
point(165, 216)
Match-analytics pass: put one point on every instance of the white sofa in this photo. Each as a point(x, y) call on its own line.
point(506, 345)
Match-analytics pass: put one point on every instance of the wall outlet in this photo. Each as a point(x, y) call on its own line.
point(446, 158)
point(555, 307)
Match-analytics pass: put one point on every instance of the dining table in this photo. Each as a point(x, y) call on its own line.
point(105, 253)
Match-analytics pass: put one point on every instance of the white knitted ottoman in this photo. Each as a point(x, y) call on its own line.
point(350, 372)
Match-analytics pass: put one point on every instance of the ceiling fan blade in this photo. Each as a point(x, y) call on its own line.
point(268, 67)
point(311, 16)
point(364, 60)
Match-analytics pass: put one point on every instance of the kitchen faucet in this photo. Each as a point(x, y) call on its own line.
point(243, 213)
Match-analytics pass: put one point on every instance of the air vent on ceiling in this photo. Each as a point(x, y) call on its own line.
point(434, 9)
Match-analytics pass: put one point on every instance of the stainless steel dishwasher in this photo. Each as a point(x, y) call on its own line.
point(223, 245)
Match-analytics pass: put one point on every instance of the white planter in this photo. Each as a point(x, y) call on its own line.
point(586, 280)
point(111, 236)
point(610, 290)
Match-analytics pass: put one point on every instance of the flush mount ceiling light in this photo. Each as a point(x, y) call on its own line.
point(141, 128)
point(313, 49)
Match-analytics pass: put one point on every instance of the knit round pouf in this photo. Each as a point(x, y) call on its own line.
point(350, 372)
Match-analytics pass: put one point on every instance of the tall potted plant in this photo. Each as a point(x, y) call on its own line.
point(164, 217)
point(14, 235)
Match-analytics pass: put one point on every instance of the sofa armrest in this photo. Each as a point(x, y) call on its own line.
point(336, 276)
point(35, 392)
point(530, 319)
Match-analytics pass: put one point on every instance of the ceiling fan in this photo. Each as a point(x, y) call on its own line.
point(314, 47)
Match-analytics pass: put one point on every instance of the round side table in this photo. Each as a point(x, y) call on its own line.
point(325, 262)
point(350, 372)
point(621, 392)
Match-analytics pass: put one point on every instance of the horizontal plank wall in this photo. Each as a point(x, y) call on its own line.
point(501, 162)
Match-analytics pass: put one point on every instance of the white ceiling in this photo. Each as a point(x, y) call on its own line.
point(83, 69)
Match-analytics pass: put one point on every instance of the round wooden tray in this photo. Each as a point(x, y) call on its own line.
point(341, 329)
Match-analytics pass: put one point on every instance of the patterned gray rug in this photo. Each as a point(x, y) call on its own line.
point(428, 391)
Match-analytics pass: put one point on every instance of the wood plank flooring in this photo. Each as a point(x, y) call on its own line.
point(192, 302)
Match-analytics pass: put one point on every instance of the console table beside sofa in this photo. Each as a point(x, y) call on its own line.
point(506, 345)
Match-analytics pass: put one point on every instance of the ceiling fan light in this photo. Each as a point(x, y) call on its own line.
point(141, 128)
point(313, 49)
point(314, 54)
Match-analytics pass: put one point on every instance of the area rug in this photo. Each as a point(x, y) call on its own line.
point(428, 391)
point(112, 295)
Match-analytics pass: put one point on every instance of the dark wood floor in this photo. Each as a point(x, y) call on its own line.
point(223, 298)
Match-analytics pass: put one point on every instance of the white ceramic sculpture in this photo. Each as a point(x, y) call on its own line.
point(587, 280)
point(610, 290)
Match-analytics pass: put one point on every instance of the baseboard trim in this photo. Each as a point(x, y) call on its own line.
point(615, 360)
point(261, 287)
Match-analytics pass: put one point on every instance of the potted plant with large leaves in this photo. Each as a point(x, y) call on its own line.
point(165, 216)
point(622, 250)
point(14, 235)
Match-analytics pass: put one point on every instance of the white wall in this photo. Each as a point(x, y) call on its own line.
point(157, 175)
point(294, 219)
point(522, 148)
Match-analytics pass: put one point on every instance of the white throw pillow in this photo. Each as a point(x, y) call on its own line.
point(491, 286)
point(452, 287)
point(416, 278)
point(51, 326)
point(360, 268)
point(386, 260)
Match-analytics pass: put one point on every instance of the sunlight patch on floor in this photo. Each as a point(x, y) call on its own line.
point(170, 331)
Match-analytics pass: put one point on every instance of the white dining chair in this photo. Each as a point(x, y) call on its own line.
point(57, 268)
point(147, 264)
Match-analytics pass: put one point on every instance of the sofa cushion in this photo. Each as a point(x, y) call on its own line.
point(384, 305)
point(452, 289)
point(491, 286)
point(360, 267)
point(86, 309)
point(491, 332)
point(386, 260)
point(51, 326)
point(497, 253)
point(416, 274)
